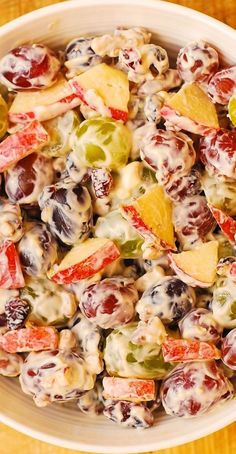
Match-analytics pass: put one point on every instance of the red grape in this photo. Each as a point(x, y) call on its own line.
point(180, 394)
point(229, 349)
point(192, 220)
point(168, 153)
point(32, 66)
point(218, 153)
point(223, 85)
point(26, 179)
point(200, 324)
point(109, 303)
point(180, 187)
point(197, 61)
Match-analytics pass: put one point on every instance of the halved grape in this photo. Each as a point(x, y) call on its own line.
point(60, 130)
point(126, 359)
point(232, 109)
point(115, 227)
point(3, 117)
point(102, 142)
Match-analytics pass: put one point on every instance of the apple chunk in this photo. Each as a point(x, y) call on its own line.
point(186, 350)
point(44, 104)
point(131, 389)
point(35, 339)
point(151, 216)
point(225, 222)
point(191, 109)
point(108, 84)
point(85, 260)
point(197, 267)
point(11, 276)
point(22, 143)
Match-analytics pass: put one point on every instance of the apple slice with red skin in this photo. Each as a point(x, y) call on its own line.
point(151, 216)
point(110, 84)
point(196, 267)
point(43, 105)
point(85, 260)
point(11, 276)
point(186, 350)
point(131, 389)
point(191, 109)
point(225, 222)
point(22, 143)
point(35, 339)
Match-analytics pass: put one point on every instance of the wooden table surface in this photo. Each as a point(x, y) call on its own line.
point(223, 441)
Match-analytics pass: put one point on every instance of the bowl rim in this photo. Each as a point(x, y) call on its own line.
point(188, 13)
point(110, 449)
point(160, 4)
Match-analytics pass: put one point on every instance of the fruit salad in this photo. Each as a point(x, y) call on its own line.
point(118, 226)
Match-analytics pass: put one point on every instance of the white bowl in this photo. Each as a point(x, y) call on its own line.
point(173, 26)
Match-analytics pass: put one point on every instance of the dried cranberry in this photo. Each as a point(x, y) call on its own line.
point(17, 311)
point(102, 182)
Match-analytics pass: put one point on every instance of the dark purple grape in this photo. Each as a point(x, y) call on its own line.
point(170, 300)
point(66, 208)
point(80, 56)
point(37, 261)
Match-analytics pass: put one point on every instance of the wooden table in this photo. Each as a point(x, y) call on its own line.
point(223, 441)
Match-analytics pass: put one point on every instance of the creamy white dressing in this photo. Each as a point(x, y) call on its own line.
point(5, 295)
point(10, 364)
point(224, 297)
point(138, 62)
point(88, 336)
point(11, 223)
point(50, 303)
point(110, 45)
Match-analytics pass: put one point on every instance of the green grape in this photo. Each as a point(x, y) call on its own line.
point(224, 302)
point(60, 130)
point(125, 359)
point(50, 303)
point(225, 248)
point(3, 117)
point(102, 142)
point(232, 109)
point(221, 193)
point(116, 228)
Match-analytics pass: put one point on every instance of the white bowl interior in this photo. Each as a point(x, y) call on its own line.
point(172, 26)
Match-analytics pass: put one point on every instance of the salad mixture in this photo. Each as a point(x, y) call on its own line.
point(117, 229)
